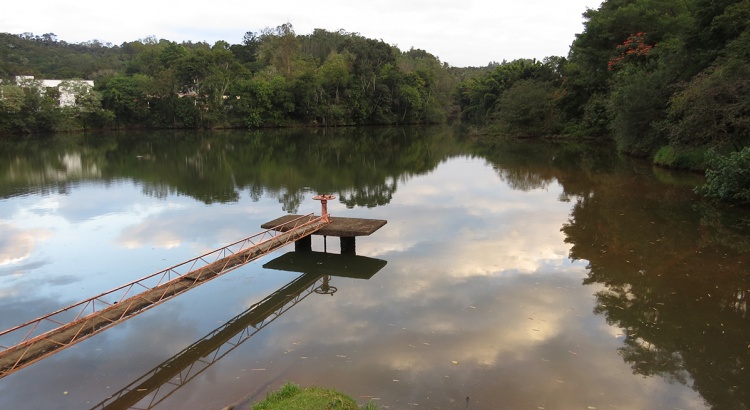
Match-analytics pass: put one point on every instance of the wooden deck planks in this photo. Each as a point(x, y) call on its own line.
point(341, 227)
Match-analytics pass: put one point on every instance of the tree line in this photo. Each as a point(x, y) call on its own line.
point(666, 80)
point(273, 78)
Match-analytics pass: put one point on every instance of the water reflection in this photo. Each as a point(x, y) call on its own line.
point(362, 167)
point(675, 283)
point(487, 248)
point(17, 245)
point(154, 387)
point(671, 266)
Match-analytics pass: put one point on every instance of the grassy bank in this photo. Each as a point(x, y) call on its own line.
point(292, 397)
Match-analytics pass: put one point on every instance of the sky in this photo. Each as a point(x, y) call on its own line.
point(460, 32)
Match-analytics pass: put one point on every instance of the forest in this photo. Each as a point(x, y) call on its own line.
point(665, 80)
point(274, 78)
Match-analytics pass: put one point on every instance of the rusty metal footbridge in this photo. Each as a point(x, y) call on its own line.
point(27, 343)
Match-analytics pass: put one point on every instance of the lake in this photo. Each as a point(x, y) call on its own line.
point(510, 275)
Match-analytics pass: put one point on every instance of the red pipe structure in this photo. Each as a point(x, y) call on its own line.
point(324, 205)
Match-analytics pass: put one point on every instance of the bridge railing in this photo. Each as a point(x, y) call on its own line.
point(25, 332)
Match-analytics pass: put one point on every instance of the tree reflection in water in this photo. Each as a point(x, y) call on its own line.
point(679, 295)
point(673, 267)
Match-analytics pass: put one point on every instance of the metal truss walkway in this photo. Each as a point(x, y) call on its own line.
point(32, 341)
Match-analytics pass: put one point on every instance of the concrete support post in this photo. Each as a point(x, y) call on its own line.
point(303, 244)
point(348, 245)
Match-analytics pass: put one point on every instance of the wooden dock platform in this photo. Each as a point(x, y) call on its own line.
point(341, 227)
point(345, 228)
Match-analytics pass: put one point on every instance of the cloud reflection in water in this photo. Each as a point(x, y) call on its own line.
point(478, 300)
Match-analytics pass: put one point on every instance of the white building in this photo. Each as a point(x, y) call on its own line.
point(68, 89)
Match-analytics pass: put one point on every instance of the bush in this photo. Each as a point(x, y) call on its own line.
point(668, 156)
point(292, 397)
point(728, 177)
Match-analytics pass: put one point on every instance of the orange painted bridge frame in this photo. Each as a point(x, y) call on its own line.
point(32, 341)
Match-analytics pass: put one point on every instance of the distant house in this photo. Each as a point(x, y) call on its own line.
point(68, 89)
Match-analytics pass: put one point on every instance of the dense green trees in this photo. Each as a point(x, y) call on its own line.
point(647, 73)
point(665, 79)
point(518, 96)
point(273, 78)
point(668, 73)
point(676, 83)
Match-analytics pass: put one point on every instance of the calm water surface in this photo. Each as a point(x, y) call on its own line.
point(514, 276)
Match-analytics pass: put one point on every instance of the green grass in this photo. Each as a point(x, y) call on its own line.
point(292, 397)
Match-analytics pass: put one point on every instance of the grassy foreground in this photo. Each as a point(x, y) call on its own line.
point(292, 397)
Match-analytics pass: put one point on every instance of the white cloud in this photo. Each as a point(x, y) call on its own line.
point(17, 244)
